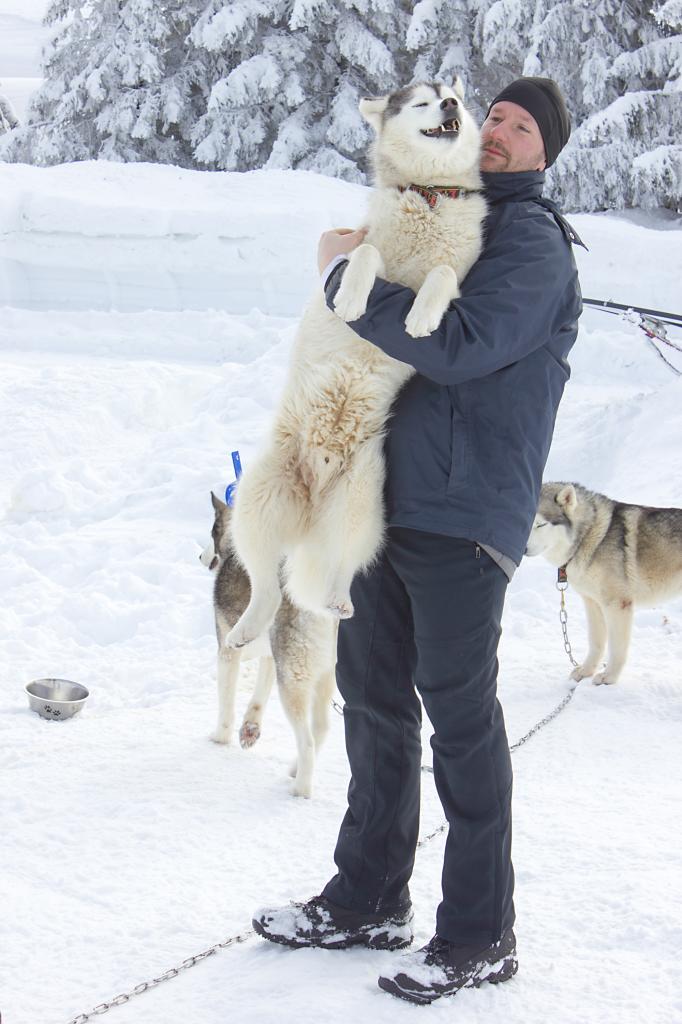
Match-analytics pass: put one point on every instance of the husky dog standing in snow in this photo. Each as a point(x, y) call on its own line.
point(314, 496)
point(299, 649)
point(616, 556)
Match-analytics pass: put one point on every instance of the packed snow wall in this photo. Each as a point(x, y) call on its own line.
point(107, 236)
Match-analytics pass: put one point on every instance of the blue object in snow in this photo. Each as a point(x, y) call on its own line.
point(231, 488)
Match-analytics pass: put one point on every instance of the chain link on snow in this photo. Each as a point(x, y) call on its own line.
point(173, 972)
point(545, 721)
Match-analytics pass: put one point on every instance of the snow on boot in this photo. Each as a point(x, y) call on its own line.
point(321, 923)
point(441, 968)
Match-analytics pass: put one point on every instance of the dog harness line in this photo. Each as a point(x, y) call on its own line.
point(433, 193)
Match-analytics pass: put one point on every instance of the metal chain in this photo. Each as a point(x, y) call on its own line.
point(119, 1000)
point(545, 721)
point(432, 835)
point(563, 619)
point(82, 1018)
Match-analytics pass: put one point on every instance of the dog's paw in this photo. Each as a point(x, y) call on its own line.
point(302, 788)
point(437, 291)
point(242, 633)
point(248, 734)
point(582, 672)
point(222, 734)
point(605, 678)
point(358, 280)
point(422, 319)
point(350, 304)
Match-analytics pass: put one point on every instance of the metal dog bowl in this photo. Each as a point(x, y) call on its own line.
point(56, 698)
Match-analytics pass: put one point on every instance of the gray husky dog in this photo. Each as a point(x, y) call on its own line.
point(616, 556)
point(299, 649)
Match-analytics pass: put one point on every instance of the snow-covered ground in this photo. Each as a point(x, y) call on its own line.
point(22, 37)
point(130, 842)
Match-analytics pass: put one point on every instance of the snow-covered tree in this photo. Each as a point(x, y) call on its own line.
point(239, 84)
point(287, 78)
point(120, 84)
point(439, 36)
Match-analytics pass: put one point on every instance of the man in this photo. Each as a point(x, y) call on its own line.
point(465, 454)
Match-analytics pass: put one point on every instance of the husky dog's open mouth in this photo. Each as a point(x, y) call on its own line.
point(450, 127)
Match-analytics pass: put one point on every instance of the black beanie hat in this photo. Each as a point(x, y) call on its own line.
point(542, 99)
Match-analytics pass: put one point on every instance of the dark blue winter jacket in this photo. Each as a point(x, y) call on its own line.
point(471, 431)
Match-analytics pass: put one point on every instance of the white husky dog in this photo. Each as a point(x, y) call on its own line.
point(314, 496)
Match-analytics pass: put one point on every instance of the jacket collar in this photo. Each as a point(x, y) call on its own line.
point(502, 187)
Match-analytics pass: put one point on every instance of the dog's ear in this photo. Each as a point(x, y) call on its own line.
point(567, 498)
point(372, 109)
point(458, 87)
point(218, 505)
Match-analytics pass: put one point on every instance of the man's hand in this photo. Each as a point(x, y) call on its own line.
point(339, 242)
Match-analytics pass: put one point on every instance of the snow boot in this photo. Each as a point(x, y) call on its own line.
point(321, 923)
point(441, 968)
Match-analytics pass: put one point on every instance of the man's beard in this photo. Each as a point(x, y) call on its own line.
point(505, 162)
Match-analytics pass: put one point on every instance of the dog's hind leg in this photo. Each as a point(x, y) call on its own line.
point(228, 671)
point(294, 685)
point(596, 632)
point(345, 537)
point(261, 523)
point(359, 527)
point(262, 565)
point(253, 718)
point(618, 617)
point(322, 698)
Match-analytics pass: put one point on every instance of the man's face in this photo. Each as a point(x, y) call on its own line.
point(511, 140)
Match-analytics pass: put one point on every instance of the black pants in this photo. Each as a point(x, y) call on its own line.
point(427, 615)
